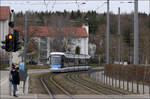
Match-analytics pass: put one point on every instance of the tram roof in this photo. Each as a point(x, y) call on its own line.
point(80, 56)
point(57, 53)
point(71, 55)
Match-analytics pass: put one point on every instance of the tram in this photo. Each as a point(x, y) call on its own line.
point(65, 62)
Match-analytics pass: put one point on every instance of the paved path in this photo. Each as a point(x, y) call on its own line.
point(4, 82)
point(41, 96)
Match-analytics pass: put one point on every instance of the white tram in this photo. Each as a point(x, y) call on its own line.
point(65, 62)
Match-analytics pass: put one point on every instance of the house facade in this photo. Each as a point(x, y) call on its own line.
point(4, 29)
point(48, 38)
point(4, 19)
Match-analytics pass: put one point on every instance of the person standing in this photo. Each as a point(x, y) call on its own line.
point(15, 79)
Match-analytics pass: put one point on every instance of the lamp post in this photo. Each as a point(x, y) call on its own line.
point(149, 30)
point(107, 35)
point(119, 35)
point(136, 33)
point(119, 32)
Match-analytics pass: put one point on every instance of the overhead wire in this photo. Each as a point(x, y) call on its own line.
point(71, 0)
point(100, 6)
point(50, 4)
point(46, 5)
point(77, 4)
point(53, 6)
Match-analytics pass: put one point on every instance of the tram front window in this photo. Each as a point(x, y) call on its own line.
point(56, 60)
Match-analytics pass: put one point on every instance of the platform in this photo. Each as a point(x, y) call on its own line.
point(70, 69)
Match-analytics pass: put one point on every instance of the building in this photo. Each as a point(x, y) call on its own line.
point(4, 19)
point(47, 40)
point(4, 29)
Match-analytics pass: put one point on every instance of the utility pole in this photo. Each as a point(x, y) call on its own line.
point(149, 30)
point(24, 73)
point(107, 35)
point(136, 33)
point(25, 37)
point(60, 35)
point(119, 35)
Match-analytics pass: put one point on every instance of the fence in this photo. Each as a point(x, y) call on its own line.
point(128, 77)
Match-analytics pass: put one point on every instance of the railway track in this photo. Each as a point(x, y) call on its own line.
point(59, 87)
point(101, 88)
point(54, 85)
point(47, 89)
point(69, 76)
point(94, 87)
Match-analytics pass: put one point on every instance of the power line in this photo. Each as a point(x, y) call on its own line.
point(40, 3)
point(77, 3)
point(100, 6)
point(72, 0)
point(49, 5)
point(46, 4)
point(53, 6)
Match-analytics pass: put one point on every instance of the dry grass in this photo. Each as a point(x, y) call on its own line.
point(35, 85)
point(68, 85)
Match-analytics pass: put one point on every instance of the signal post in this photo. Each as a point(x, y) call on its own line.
point(11, 43)
point(11, 24)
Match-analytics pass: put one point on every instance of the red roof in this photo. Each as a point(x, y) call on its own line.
point(38, 31)
point(4, 12)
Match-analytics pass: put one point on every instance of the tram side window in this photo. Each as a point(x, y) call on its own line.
point(62, 61)
point(65, 62)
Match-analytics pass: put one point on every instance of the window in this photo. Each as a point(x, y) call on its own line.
point(56, 60)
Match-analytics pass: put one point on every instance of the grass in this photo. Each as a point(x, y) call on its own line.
point(94, 65)
point(5, 66)
point(37, 67)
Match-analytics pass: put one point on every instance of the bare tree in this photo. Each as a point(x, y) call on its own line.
point(59, 23)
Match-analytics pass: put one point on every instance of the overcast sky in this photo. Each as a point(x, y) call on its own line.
point(99, 6)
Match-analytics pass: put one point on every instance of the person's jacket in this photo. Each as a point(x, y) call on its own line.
point(15, 77)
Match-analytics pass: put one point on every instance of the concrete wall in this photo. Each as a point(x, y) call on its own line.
point(16, 58)
point(92, 49)
point(3, 30)
point(82, 43)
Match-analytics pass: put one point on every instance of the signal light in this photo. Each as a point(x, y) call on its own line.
point(11, 24)
point(11, 43)
point(4, 44)
point(8, 43)
point(10, 36)
point(17, 43)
